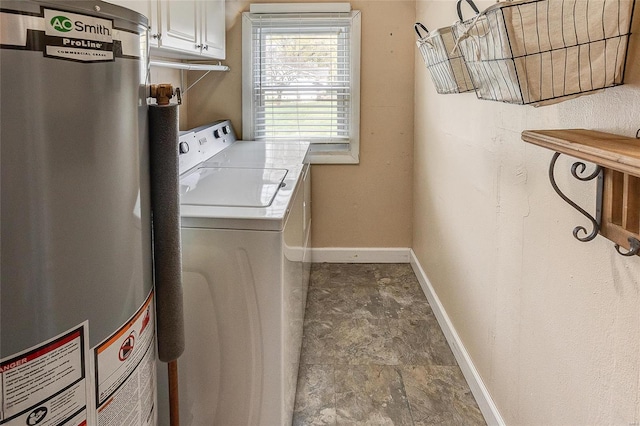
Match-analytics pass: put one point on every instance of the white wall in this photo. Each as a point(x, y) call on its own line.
point(552, 324)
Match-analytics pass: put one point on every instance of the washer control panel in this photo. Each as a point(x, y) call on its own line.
point(200, 144)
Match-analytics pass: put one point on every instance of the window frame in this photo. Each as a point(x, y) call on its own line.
point(319, 153)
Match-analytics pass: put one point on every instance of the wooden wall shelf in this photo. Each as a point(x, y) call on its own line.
point(618, 172)
point(611, 151)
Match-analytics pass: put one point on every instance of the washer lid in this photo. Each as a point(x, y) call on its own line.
point(233, 187)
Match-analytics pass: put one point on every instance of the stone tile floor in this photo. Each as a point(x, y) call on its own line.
point(374, 354)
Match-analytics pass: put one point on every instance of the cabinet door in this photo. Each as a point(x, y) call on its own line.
point(179, 26)
point(213, 29)
point(148, 8)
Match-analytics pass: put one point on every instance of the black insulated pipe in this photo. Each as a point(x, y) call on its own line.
point(165, 208)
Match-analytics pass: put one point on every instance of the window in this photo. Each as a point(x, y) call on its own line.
point(301, 77)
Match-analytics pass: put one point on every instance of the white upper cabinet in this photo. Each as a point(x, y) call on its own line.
point(179, 25)
point(213, 28)
point(187, 29)
point(193, 27)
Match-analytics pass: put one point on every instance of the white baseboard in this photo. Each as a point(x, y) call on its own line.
point(361, 255)
point(479, 390)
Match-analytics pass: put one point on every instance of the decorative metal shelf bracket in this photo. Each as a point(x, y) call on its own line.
point(616, 160)
point(577, 171)
point(634, 245)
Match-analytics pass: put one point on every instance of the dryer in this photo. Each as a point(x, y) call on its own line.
point(245, 212)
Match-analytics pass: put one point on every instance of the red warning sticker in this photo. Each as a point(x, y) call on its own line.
point(125, 371)
point(46, 385)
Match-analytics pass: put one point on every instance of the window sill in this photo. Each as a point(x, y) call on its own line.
point(332, 154)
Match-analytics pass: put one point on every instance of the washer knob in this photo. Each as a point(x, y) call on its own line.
point(216, 133)
point(226, 130)
point(184, 147)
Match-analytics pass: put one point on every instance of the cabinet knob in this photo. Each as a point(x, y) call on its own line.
point(206, 47)
point(198, 46)
point(156, 36)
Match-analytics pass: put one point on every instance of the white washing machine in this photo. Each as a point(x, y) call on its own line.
point(245, 210)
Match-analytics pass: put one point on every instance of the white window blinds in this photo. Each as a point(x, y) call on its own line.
point(301, 76)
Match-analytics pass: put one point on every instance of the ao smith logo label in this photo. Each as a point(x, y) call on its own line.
point(75, 26)
point(61, 23)
point(77, 37)
point(64, 25)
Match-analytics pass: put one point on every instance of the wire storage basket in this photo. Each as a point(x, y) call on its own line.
point(445, 64)
point(546, 51)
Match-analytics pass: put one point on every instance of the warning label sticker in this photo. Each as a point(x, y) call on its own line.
point(125, 372)
point(46, 384)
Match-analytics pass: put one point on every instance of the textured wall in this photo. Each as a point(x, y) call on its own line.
point(365, 205)
point(552, 324)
